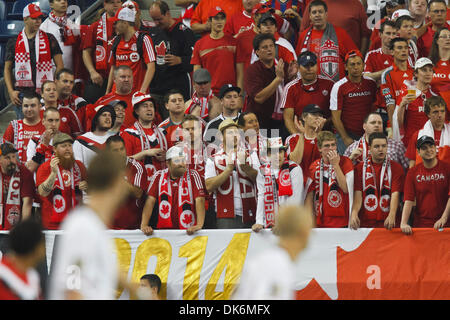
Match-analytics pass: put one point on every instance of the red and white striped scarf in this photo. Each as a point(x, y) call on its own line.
point(22, 60)
point(102, 48)
point(11, 210)
point(203, 102)
point(186, 216)
point(376, 202)
point(19, 141)
point(60, 206)
point(62, 22)
point(275, 188)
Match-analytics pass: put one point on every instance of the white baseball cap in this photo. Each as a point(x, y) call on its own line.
point(275, 143)
point(125, 14)
point(399, 13)
point(422, 62)
point(175, 152)
point(131, 5)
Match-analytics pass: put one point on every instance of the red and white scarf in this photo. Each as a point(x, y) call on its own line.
point(203, 102)
point(275, 188)
point(362, 144)
point(22, 60)
point(225, 193)
point(146, 141)
point(11, 210)
point(62, 22)
point(376, 202)
point(19, 141)
point(186, 216)
point(102, 48)
point(65, 179)
point(327, 184)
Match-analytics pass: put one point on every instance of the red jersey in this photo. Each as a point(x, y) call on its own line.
point(66, 193)
point(392, 82)
point(335, 212)
point(376, 60)
point(78, 105)
point(17, 285)
point(424, 42)
point(130, 213)
point(13, 194)
point(397, 178)
point(19, 134)
point(218, 56)
point(441, 76)
point(297, 95)
point(126, 54)
point(310, 152)
point(69, 122)
point(172, 131)
point(415, 117)
point(244, 47)
point(356, 100)
point(430, 188)
point(239, 22)
point(197, 191)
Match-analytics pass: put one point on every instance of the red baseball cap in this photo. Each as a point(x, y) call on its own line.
point(353, 53)
point(214, 11)
point(32, 11)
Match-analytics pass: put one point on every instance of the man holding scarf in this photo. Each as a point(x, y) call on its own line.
point(179, 195)
point(60, 182)
point(279, 182)
point(378, 184)
point(31, 59)
point(329, 42)
point(330, 185)
point(16, 188)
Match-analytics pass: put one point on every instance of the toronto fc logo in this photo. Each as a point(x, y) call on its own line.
point(329, 59)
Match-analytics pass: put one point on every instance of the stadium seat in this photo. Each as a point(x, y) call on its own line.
point(2, 10)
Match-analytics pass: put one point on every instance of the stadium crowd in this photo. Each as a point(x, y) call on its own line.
point(233, 108)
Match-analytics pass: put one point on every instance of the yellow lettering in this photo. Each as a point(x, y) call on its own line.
point(123, 253)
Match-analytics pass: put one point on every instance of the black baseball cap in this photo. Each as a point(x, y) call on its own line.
point(7, 148)
point(312, 108)
point(227, 88)
point(423, 140)
point(266, 16)
point(307, 58)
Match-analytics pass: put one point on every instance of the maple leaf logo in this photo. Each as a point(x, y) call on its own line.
point(59, 204)
point(385, 203)
point(187, 220)
point(161, 49)
point(164, 209)
point(371, 202)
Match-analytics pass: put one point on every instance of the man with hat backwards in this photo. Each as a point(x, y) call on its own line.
point(16, 188)
point(144, 141)
point(428, 184)
point(31, 54)
point(203, 103)
point(230, 176)
point(279, 182)
point(128, 51)
point(178, 194)
point(89, 144)
point(409, 114)
point(216, 52)
point(60, 182)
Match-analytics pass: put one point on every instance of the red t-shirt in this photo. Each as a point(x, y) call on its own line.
point(201, 12)
point(441, 76)
point(244, 47)
point(356, 100)
point(415, 116)
point(297, 95)
point(346, 44)
point(397, 178)
point(218, 56)
point(431, 189)
point(42, 174)
point(172, 131)
point(239, 22)
point(27, 133)
point(27, 189)
point(376, 60)
point(310, 152)
point(126, 54)
point(130, 213)
point(197, 191)
point(329, 220)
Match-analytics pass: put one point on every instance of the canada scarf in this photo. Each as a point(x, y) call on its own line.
point(327, 185)
point(11, 210)
point(275, 188)
point(328, 44)
point(185, 203)
point(202, 102)
point(225, 193)
point(22, 60)
point(102, 48)
point(362, 144)
point(60, 206)
point(376, 202)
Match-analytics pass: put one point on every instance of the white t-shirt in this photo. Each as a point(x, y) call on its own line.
point(85, 258)
point(268, 276)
